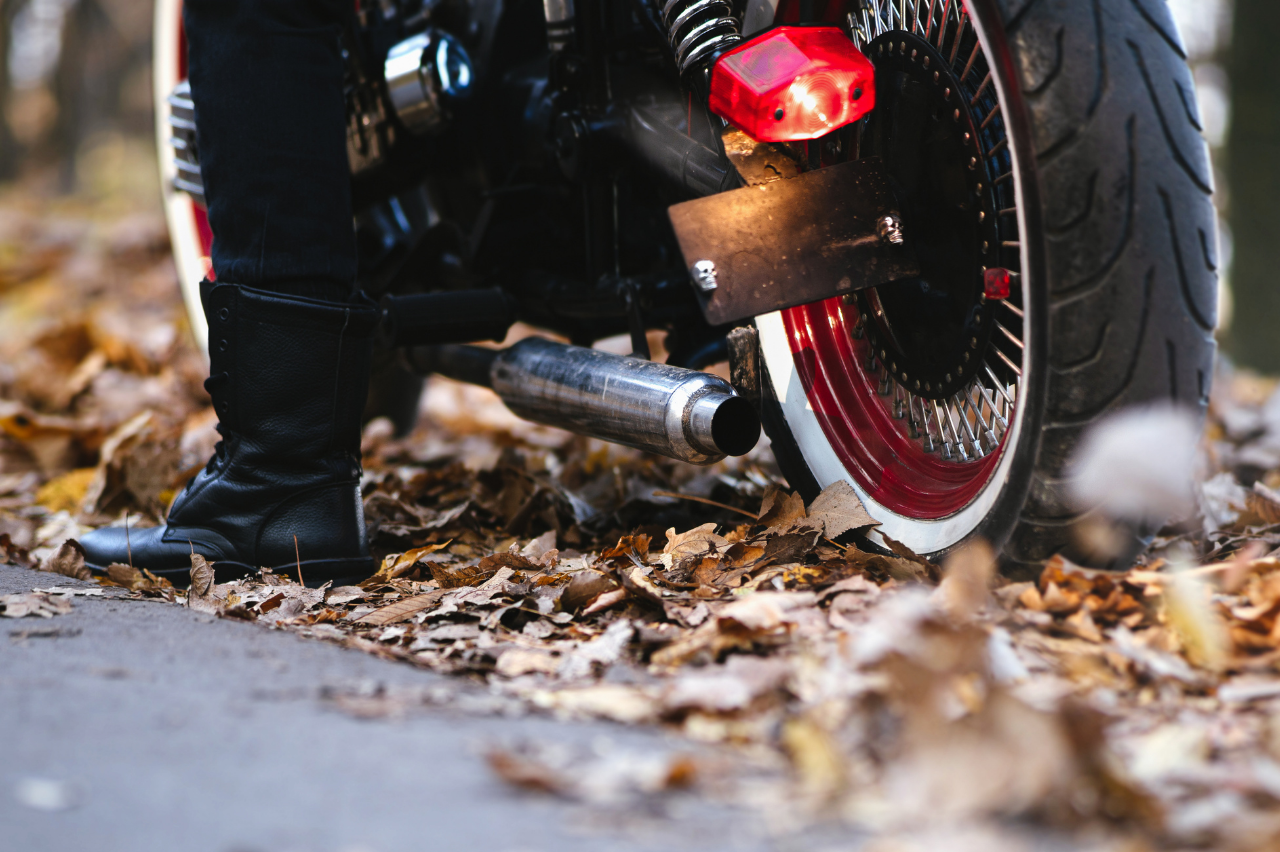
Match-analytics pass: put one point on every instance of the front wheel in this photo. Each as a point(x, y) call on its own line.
point(1053, 177)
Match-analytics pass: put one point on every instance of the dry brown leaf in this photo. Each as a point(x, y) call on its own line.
point(137, 467)
point(605, 600)
point(817, 759)
point(1031, 599)
point(135, 580)
point(966, 581)
point(697, 542)
point(515, 662)
point(1264, 504)
point(66, 493)
point(402, 609)
point(1192, 615)
point(34, 604)
point(628, 545)
point(584, 587)
point(396, 565)
point(68, 560)
point(1060, 601)
point(1081, 624)
point(201, 576)
point(13, 554)
point(525, 772)
point(779, 507)
point(837, 510)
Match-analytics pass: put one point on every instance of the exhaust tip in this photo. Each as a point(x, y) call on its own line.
point(735, 428)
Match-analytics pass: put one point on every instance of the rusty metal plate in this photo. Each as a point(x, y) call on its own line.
point(792, 242)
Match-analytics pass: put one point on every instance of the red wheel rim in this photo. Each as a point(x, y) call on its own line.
point(836, 369)
point(891, 467)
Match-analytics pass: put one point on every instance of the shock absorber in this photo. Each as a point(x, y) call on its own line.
point(699, 30)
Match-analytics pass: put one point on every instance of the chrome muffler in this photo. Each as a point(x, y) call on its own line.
point(682, 414)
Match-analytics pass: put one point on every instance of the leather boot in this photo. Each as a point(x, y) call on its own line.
point(288, 377)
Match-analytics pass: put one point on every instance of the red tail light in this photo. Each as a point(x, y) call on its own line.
point(793, 83)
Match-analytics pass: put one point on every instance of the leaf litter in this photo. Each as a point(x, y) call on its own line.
point(813, 678)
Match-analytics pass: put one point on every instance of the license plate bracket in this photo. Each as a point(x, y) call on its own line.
point(792, 242)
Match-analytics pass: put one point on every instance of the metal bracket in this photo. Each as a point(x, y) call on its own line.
point(791, 242)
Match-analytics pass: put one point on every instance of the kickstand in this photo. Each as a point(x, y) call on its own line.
point(630, 292)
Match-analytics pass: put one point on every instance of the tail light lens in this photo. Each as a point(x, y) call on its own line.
point(792, 83)
point(996, 283)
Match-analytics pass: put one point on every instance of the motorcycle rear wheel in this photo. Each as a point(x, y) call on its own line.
point(1107, 217)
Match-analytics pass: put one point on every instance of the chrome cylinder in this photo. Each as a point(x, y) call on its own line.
point(683, 414)
point(559, 15)
point(424, 73)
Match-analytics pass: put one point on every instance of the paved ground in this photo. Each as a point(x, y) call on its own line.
point(171, 730)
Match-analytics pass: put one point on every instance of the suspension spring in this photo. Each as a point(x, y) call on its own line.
point(699, 29)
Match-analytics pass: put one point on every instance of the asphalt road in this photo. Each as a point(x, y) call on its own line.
point(144, 726)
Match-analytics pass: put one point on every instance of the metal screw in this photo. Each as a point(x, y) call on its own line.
point(889, 227)
point(704, 275)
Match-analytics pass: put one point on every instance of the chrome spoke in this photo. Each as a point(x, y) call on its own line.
point(955, 48)
point(991, 404)
point(955, 433)
point(942, 433)
point(942, 25)
point(991, 116)
point(999, 385)
point(1017, 371)
point(968, 428)
point(973, 57)
point(1013, 338)
point(978, 95)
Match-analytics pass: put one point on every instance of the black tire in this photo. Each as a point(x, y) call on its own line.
point(1119, 244)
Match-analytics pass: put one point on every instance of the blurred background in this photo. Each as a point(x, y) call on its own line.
point(76, 119)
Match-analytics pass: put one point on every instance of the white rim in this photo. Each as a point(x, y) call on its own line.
point(184, 236)
point(922, 536)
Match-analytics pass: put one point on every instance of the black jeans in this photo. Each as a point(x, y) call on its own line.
point(266, 78)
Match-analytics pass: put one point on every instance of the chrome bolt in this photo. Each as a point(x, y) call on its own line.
point(890, 229)
point(704, 275)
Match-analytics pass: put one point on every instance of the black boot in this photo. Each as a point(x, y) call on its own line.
point(288, 377)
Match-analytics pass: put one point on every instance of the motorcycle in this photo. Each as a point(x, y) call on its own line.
point(936, 240)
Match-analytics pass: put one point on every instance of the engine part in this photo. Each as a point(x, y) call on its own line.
point(791, 242)
point(424, 74)
point(694, 166)
point(182, 118)
point(451, 316)
point(682, 414)
point(793, 83)
point(744, 363)
point(559, 14)
point(698, 29)
point(470, 364)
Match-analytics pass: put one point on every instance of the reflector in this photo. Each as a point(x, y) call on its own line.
point(793, 83)
point(995, 283)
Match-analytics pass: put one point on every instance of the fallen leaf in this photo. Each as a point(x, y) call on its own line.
point(1198, 625)
point(66, 493)
point(68, 560)
point(584, 587)
point(402, 609)
point(135, 580)
point(966, 581)
point(780, 507)
point(33, 604)
point(837, 509)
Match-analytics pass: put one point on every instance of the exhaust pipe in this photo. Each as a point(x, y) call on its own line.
point(682, 414)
